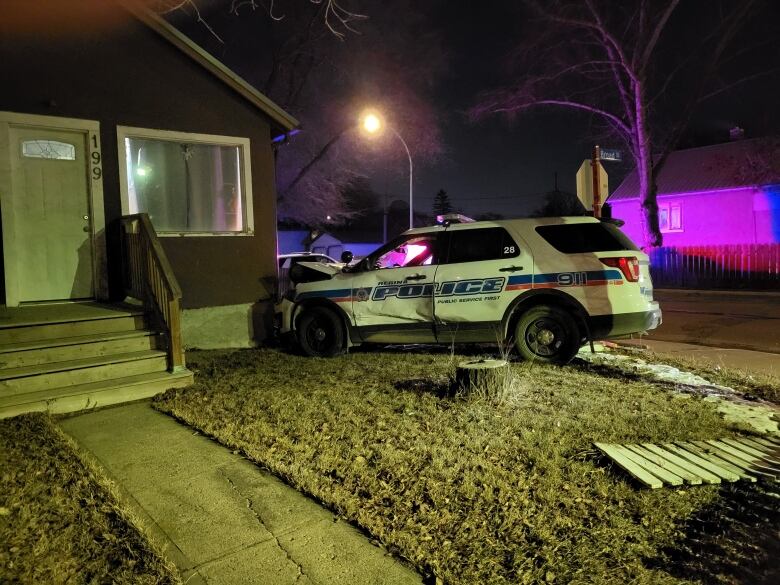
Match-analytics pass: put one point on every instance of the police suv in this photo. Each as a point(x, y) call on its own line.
point(545, 285)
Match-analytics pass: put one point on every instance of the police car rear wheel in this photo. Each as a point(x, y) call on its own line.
point(547, 334)
point(320, 333)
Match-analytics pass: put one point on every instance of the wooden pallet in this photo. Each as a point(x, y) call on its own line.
point(699, 462)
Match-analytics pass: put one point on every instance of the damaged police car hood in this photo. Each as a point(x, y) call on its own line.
point(314, 271)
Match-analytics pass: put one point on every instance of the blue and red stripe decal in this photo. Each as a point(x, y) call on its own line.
point(520, 282)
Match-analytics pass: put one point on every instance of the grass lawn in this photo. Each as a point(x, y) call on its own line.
point(59, 522)
point(477, 490)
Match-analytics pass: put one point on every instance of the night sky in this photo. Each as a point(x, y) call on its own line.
point(497, 165)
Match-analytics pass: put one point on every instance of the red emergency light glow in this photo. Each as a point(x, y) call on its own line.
point(628, 265)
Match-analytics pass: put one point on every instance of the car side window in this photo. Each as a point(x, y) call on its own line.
point(416, 250)
point(477, 245)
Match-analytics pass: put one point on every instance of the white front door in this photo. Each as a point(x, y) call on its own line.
point(49, 204)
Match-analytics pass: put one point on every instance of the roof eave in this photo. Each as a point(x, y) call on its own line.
point(282, 119)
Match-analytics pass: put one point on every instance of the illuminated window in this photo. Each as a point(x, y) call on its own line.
point(670, 217)
point(189, 184)
point(415, 250)
point(50, 149)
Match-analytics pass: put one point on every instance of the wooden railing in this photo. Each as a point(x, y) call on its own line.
point(148, 277)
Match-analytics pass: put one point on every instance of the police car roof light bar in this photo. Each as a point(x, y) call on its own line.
point(448, 218)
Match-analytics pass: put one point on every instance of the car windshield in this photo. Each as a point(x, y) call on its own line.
point(402, 252)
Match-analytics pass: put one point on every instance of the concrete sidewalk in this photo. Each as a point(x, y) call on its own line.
point(742, 359)
point(220, 518)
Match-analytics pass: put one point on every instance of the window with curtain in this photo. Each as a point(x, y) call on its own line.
point(187, 187)
point(670, 217)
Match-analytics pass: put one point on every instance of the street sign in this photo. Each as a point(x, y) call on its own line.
point(585, 184)
point(611, 154)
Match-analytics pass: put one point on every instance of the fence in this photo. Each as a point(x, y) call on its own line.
point(737, 266)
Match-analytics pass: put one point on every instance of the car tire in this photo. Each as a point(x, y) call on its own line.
point(547, 334)
point(320, 333)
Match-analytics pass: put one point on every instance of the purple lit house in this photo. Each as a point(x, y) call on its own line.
point(719, 213)
point(711, 196)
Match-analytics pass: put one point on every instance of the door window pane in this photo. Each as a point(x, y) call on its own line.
point(411, 251)
point(48, 149)
point(475, 245)
point(186, 187)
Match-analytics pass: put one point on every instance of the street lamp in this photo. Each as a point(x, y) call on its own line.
point(372, 124)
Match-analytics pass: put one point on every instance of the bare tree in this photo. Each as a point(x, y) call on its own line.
point(336, 18)
point(325, 61)
point(379, 68)
point(618, 63)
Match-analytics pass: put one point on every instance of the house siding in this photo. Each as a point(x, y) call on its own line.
point(129, 75)
point(734, 216)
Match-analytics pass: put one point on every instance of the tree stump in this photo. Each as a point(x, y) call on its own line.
point(481, 375)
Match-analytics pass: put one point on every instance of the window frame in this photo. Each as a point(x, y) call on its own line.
point(668, 206)
point(243, 145)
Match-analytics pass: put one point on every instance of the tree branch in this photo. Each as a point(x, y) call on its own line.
point(659, 27)
point(315, 159)
point(618, 123)
point(738, 82)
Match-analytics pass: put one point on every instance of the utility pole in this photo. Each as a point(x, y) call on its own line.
point(596, 165)
point(384, 220)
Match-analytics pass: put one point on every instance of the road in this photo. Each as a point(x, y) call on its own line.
point(742, 320)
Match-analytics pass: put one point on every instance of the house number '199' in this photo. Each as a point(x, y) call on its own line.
point(97, 172)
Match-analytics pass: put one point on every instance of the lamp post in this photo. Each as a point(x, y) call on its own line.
point(372, 124)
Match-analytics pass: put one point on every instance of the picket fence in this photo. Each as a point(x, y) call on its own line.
point(736, 266)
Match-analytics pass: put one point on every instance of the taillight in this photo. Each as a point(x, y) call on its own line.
point(628, 265)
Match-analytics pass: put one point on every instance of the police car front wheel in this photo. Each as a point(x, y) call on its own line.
point(547, 333)
point(320, 333)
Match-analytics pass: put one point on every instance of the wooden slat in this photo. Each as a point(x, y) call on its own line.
point(664, 463)
point(737, 462)
point(724, 472)
point(759, 444)
point(752, 460)
point(628, 465)
point(774, 439)
point(706, 476)
point(751, 450)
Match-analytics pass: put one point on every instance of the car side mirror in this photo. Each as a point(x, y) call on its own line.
point(346, 256)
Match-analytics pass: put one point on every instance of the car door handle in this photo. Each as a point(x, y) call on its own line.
point(510, 268)
point(414, 277)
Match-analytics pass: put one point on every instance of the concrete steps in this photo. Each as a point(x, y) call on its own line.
point(93, 395)
point(82, 346)
point(68, 357)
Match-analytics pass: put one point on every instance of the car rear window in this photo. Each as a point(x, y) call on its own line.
point(578, 238)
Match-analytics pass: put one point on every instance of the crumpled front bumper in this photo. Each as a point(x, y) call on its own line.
point(283, 312)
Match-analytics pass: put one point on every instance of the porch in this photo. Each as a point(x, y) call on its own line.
point(64, 357)
point(72, 355)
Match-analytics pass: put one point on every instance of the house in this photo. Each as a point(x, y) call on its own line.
point(715, 195)
point(292, 240)
point(132, 165)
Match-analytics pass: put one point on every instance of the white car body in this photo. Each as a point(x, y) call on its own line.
point(477, 288)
